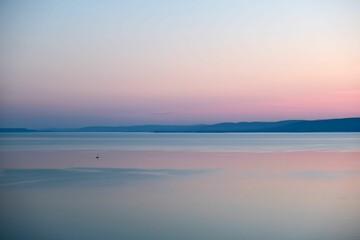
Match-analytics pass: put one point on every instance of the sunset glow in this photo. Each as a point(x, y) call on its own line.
point(80, 63)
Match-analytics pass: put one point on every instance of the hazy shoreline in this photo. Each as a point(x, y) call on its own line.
point(323, 125)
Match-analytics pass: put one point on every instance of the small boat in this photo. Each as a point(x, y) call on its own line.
point(97, 156)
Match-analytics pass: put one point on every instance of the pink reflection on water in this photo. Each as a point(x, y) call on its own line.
point(275, 161)
point(286, 195)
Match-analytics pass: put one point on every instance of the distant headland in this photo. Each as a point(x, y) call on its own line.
point(324, 125)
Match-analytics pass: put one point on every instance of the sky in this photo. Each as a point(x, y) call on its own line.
point(81, 63)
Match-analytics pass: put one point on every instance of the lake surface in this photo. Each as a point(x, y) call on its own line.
point(220, 142)
point(252, 186)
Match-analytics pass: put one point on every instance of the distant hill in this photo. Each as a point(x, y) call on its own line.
point(16, 130)
point(327, 125)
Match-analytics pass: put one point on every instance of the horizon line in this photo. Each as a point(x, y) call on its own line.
point(179, 124)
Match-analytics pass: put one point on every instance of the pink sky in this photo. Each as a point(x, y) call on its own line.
point(64, 65)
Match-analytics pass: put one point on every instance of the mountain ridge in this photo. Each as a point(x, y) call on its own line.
point(321, 125)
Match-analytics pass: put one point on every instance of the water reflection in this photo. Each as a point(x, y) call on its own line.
point(179, 195)
point(179, 204)
point(84, 177)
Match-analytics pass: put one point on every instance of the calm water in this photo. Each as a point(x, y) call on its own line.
point(182, 141)
point(180, 186)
